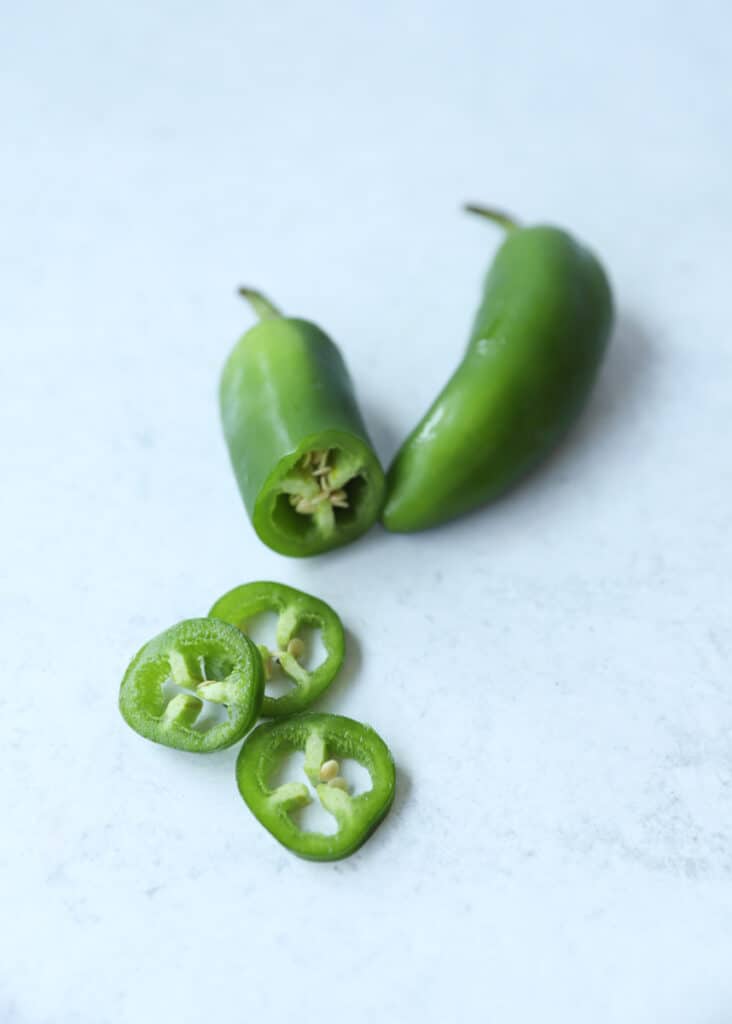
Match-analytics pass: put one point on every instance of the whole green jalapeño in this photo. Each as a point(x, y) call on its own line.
point(298, 445)
point(295, 611)
point(537, 343)
point(170, 681)
point(324, 739)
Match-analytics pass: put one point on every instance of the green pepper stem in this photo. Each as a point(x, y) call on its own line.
point(497, 216)
point(261, 305)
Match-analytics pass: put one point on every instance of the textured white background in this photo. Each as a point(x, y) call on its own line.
point(553, 674)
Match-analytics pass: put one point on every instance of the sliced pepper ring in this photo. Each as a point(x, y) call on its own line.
point(208, 660)
point(294, 609)
point(322, 737)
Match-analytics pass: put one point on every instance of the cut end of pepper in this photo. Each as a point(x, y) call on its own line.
point(318, 486)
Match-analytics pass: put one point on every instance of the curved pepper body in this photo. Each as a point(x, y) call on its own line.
point(286, 398)
point(295, 611)
point(535, 348)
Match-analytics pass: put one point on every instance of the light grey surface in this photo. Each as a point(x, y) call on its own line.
point(553, 675)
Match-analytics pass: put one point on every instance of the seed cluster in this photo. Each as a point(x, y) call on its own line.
point(329, 773)
point(317, 462)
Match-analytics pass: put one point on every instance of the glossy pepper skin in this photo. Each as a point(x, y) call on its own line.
point(299, 449)
point(295, 610)
point(206, 661)
point(535, 348)
point(322, 738)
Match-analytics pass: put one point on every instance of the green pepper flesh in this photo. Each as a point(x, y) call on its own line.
point(295, 610)
point(208, 660)
point(321, 737)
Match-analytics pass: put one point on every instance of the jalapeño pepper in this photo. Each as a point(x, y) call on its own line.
point(533, 354)
point(203, 660)
point(298, 445)
point(295, 610)
point(323, 738)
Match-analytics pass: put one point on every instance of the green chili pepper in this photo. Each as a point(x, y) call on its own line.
point(298, 445)
point(323, 738)
point(206, 660)
point(535, 348)
point(295, 610)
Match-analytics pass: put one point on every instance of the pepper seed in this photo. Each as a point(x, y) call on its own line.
point(296, 647)
point(329, 770)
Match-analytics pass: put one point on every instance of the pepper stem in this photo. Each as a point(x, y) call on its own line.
point(261, 305)
point(497, 216)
